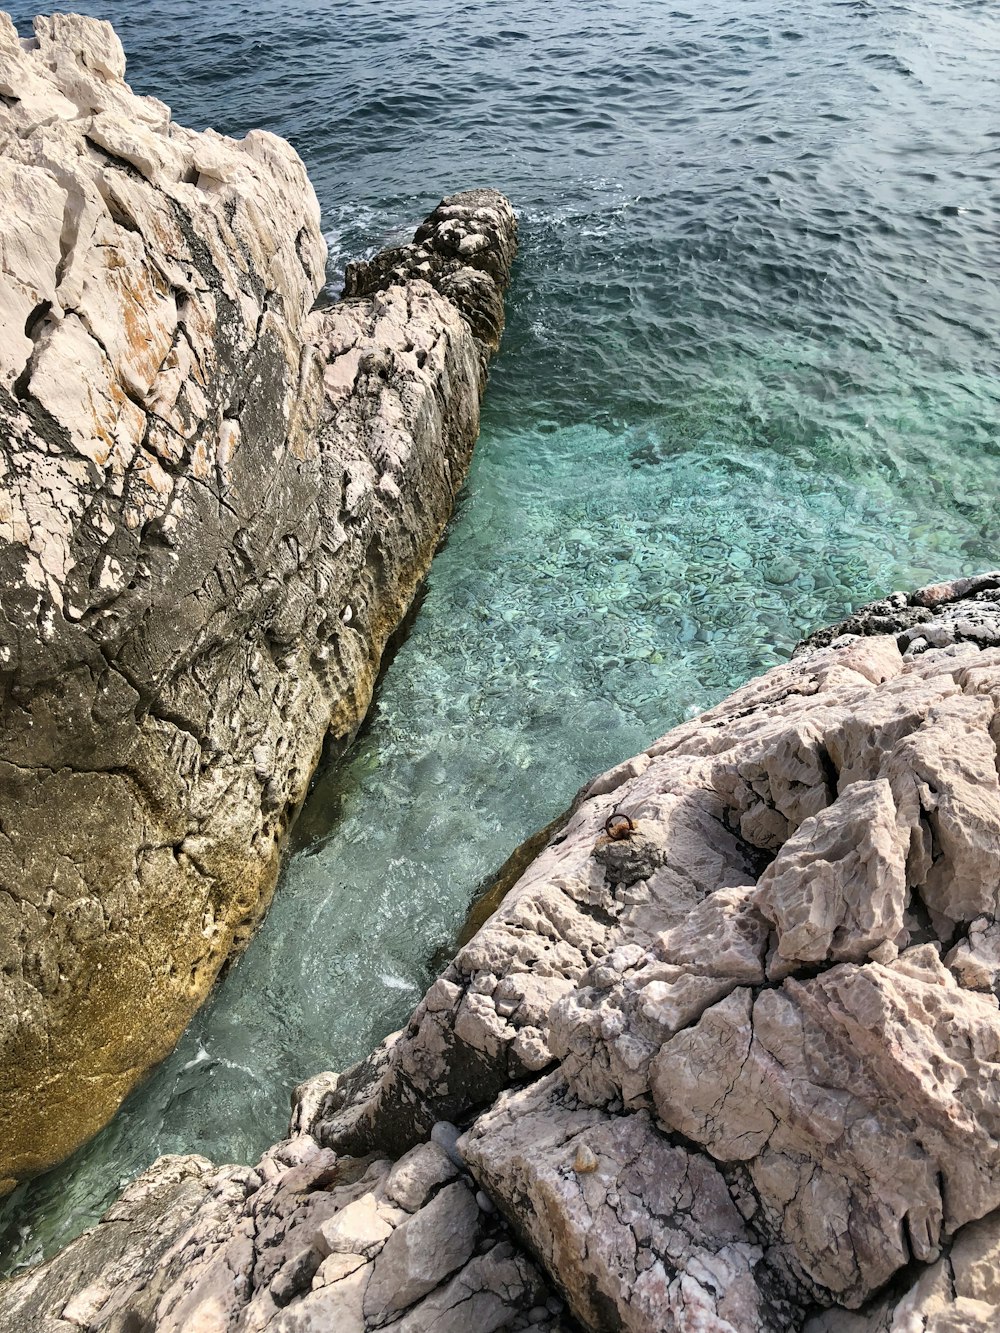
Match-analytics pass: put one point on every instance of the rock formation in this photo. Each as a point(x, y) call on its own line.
point(305, 1243)
point(727, 1055)
point(215, 505)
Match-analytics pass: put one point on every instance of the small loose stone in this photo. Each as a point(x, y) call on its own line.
point(446, 1136)
point(585, 1162)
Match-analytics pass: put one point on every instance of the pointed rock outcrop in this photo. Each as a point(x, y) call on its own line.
point(216, 503)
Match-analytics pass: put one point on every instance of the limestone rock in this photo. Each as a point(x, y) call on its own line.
point(957, 611)
point(417, 1174)
point(130, 1243)
point(465, 248)
point(958, 1294)
point(866, 1125)
point(734, 1070)
point(360, 1229)
point(650, 1241)
point(975, 960)
point(305, 1243)
point(758, 965)
point(837, 888)
point(216, 503)
point(487, 1295)
point(422, 1252)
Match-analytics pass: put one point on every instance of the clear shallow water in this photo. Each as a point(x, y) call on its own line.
point(751, 378)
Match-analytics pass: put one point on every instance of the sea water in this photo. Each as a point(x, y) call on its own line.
point(750, 380)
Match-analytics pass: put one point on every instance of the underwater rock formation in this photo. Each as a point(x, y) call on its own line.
point(726, 1056)
point(216, 503)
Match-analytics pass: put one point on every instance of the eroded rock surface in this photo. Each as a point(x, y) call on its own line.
point(303, 1243)
point(786, 968)
point(727, 1057)
point(643, 1234)
point(960, 1293)
point(215, 505)
point(959, 611)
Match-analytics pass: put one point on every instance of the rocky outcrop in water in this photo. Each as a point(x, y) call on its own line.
point(215, 505)
point(961, 611)
point(726, 1056)
point(303, 1243)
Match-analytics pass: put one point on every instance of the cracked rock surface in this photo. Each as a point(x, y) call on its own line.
point(216, 503)
point(787, 967)
point(729, 1065)
point(303, 1243)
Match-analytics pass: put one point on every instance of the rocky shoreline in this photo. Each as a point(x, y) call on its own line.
point(216, 504)
point(723, 1059)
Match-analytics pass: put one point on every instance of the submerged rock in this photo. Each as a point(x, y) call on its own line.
point(216, 503)
point(726, 1056)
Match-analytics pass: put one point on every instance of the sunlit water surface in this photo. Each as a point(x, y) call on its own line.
point(750, 379)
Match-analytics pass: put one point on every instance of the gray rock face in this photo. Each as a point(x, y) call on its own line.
point(304, 1243)
point(727, 1054)
point(215, 505)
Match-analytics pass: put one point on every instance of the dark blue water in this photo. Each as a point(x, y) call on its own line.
point(751, 378)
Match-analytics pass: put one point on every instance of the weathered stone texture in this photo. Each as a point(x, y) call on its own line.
point(959, 611)
point(958, 1294)
point(215, 506)
point(303, 1243)
point(789, 963)
point(643, 1235)
point(728, 1062)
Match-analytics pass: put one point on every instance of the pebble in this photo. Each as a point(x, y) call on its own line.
point(446, 1135)
point(585, 1162)
point(781, 571)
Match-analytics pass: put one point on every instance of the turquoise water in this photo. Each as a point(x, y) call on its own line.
point(751, 379)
